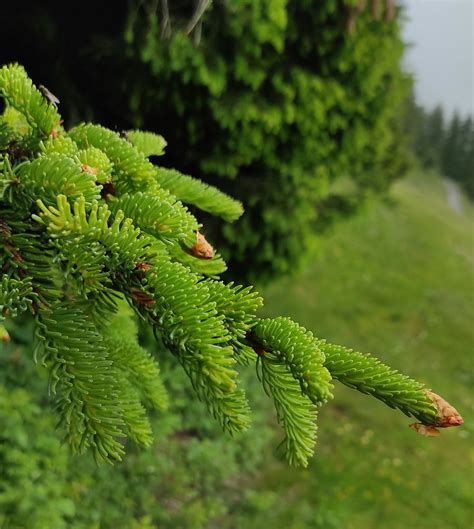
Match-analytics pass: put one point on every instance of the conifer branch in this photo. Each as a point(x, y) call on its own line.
point(295, 411)
point(89, 223)
point(148, 143)
point(369, 375)
point(203, 196)
point(18, 91)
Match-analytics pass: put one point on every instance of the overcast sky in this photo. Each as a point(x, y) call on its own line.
point(442, 56)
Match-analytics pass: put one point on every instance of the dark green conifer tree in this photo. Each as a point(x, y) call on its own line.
point(291, 106)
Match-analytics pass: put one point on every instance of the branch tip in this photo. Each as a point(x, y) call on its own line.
point(447, 416)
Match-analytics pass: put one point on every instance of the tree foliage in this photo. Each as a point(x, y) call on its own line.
point(290, 106)
point(85, 254)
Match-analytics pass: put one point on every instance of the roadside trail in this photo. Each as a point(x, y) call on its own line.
point(453, 195)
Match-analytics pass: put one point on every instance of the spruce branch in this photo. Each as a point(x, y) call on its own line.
point(57, 174)
point(148, 143)
point(18, 91)
point(88, 224)
point(295, 411)
point(158, 214)
point(299, 350)
point(83, 378)
point(140, 368)
point(16, 296)
point(203, 196)
point(369, 375)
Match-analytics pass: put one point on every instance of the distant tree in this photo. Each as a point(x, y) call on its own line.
point(464, 165)
point(414, 118)
point(468, 157)
point(429, 134)
point(434, 136)
point(451, 147)
point(458, 152)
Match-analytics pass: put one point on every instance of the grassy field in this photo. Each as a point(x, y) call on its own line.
point(396, 281)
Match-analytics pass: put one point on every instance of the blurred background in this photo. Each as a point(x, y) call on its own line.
point(345, 127)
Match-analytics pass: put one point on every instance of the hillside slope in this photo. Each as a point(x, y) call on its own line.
point(397, 281)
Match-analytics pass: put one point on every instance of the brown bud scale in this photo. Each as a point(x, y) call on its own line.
point(88, 169)
point(202, 249)
point(447, 417)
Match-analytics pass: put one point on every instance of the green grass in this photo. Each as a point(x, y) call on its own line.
point(397, 281)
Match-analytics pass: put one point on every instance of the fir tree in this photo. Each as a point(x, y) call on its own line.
point(288, 105)
point(93, 235)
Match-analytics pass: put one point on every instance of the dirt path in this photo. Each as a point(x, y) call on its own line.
point(453, 196)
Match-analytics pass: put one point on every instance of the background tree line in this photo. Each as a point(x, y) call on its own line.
point(443, 143)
